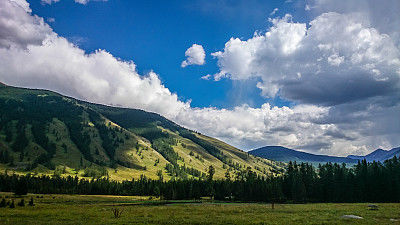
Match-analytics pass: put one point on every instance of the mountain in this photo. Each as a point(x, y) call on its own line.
point(378, 155)
point(283, 154)
point(44, 132)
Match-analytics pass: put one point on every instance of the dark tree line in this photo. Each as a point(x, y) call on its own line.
point(365, 182)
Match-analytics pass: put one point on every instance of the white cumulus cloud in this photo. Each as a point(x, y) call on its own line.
point(195, 56)
point(18, 26)
point(382, 15)
point(334, 49)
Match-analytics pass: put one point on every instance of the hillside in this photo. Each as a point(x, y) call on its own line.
point(283, 154)
point(46, 133)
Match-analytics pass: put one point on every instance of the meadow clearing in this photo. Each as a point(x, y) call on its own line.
point(80, 209)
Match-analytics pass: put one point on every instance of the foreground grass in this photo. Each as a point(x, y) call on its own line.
point(77, 209)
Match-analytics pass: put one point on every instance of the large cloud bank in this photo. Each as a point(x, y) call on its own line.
point(343, 74)
point(339, 61)
point(335, 60)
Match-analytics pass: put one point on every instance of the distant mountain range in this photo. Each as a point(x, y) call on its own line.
point(283, 154)
point(378, 155)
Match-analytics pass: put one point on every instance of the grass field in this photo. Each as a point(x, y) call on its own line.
point(77, 209)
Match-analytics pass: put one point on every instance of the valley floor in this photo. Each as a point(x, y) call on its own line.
point(77, 209)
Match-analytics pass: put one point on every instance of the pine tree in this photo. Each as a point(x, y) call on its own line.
point(227, 175)
point(31, 202)
point(211, 172)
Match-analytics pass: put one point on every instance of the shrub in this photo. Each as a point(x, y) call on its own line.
point(31, 202)
point(117, 212)
point(21, 203)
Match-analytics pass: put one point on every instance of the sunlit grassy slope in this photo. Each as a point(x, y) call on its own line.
point(42, 132)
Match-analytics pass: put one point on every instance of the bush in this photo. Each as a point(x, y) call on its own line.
point(21, 203)
point(117, 212)
point(31, 202)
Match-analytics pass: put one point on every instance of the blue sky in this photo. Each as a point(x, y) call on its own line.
point(156, 34)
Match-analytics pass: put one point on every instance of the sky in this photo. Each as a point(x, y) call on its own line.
point(321, 76)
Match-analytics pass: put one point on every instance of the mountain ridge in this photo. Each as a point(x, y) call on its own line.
point(280, 153)
point(378, 155)
point(44, 132)
point(283, 154)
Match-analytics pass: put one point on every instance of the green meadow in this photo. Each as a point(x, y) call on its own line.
point(79, 209)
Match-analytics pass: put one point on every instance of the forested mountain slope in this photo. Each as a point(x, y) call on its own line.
point(44, 132)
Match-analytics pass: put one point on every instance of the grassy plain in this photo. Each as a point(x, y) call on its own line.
point(78, 209)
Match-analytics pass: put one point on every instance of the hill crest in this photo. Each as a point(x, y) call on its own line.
point(44, 132)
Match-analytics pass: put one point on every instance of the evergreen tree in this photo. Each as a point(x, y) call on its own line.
point(211, 172)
